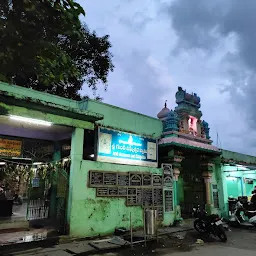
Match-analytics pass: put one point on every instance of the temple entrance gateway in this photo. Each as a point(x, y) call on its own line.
point(192, 182)
point(186, 144)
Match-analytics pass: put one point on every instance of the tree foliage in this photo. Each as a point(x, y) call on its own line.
point(45, 46)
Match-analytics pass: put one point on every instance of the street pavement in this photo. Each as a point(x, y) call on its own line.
point(240, 242)
point(214, 250)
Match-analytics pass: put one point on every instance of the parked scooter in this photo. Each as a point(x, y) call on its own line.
point(210, 224)
point(243, 217)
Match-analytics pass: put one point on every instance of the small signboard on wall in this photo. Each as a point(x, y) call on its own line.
point(138, 189)
point(10, 147)
point(126, 148)
point(35, 182)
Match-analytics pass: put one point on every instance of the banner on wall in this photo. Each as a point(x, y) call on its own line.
point(10, 148)
point(126, 148)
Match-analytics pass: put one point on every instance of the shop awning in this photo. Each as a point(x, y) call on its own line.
point(186, 143)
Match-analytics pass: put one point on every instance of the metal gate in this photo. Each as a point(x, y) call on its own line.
point(193, 184)
point(193, 197)
point(61, 199)
point(47, 197)
point(38, 202)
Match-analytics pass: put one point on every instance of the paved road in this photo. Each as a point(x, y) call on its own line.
point(240, 242)
point(215, 250)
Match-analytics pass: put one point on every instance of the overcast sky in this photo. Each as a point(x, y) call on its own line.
point(205, 46)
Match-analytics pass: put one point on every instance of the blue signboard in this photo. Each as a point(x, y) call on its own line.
point(126, 148)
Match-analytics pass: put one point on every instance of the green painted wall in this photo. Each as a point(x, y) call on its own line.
point(238, 157)
point(123, 119)
point(91, 215)
point(232, 184)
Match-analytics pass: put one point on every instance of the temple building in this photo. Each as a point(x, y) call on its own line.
point(84, 167)
point(185, 143)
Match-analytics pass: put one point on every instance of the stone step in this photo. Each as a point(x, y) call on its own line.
point(13, 223)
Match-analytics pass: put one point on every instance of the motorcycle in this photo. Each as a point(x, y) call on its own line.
point(210, 224)
point(247, 219)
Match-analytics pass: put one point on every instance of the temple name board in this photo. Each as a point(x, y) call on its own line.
point(10, 148)
point(126, 148)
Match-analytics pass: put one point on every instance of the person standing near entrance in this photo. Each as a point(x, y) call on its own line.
point(2, 194)
point(253, 198)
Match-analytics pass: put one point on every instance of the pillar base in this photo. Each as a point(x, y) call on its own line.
point(208, 209)
point(177, 213)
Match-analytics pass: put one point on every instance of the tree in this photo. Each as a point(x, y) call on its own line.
point(45, 46)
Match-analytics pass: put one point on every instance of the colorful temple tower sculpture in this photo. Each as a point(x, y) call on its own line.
point(185, 144)
point(171, 123)
point(205, 130)
point(186, 118)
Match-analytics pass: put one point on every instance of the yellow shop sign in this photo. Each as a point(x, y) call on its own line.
point(11, 148)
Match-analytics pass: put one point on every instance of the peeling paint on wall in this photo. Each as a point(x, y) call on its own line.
point(93, 216)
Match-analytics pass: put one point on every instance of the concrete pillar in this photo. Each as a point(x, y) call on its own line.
point(207, 179)
point(176, 173)
point(76, 156)
point(176, 162)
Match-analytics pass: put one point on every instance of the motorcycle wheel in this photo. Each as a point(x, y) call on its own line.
point(198, 226)
point(222, 234)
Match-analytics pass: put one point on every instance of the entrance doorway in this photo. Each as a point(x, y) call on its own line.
point(34, 176)
point(192, 185)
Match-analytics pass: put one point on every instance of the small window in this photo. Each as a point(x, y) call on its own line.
point(90, 144)
point(214, 187)
point(215, 195)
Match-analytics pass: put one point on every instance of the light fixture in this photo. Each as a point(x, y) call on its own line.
point(21, 158)
point(30, 120)
point(231, 178)
point(2, 163)
point(37, 163)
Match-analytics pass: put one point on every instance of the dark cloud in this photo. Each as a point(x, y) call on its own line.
point(206, 24)
point(195, 23)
